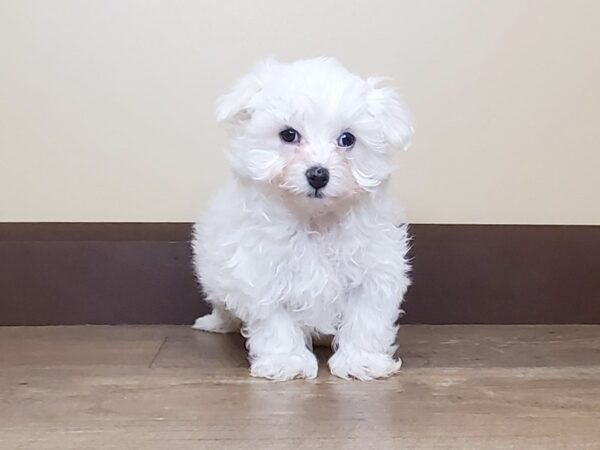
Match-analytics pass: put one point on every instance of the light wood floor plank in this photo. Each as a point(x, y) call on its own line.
point(461, 387)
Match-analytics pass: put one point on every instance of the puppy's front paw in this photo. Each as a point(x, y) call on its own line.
point(286, 366)
point(363, 365)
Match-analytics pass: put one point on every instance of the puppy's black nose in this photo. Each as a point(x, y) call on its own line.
point(317, 177)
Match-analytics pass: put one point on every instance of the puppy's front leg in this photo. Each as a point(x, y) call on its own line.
point(278, 348)
point(364, 342)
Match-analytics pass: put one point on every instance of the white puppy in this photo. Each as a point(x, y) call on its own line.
point(304, 241)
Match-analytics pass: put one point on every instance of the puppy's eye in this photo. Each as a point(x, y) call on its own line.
point(290, 135)
point(345, 140)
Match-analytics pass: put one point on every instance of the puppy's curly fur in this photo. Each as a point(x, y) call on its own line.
point(287, 260)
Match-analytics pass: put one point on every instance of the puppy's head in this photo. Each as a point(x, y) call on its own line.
point(313, 131)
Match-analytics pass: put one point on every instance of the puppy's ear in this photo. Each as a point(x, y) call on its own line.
point(237, 105)
point(393, 117)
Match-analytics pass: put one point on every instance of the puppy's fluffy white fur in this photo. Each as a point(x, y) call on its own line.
point(287, 265)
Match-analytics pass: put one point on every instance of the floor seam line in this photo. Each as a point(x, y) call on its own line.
point(162, 344)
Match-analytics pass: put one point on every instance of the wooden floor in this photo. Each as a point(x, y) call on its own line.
point(170, 388)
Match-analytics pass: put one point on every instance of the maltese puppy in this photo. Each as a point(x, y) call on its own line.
point(304, 241)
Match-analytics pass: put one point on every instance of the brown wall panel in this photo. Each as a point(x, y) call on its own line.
point(140, 273)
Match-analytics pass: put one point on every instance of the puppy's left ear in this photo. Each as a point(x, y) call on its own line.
point(237, 106)
point(393, 117)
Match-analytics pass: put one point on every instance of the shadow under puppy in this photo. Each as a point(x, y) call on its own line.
point(303, 241)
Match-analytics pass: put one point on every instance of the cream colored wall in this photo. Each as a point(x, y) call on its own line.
point(106, 107)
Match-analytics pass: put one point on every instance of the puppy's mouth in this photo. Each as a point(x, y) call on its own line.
point(316, 193)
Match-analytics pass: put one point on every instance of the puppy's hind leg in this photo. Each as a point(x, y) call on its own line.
point(218, 321)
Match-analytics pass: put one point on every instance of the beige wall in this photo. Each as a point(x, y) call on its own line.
point(106, 107)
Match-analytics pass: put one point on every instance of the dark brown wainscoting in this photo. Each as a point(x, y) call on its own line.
point(140, 273)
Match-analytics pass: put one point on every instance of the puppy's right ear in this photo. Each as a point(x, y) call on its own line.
point(237, 106)
point(388, 110)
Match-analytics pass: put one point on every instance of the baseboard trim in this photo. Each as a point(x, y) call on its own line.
point(140, 273)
